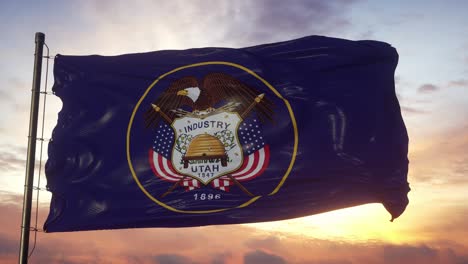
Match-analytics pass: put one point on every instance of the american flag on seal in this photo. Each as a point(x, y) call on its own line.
point(256, 157)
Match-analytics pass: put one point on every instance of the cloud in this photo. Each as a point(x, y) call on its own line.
point(221, 245)
point(16, 84)
point(420, 254)
point(275, 20)
point(448, 223)
point(5, 97)
point(268, 243)
point(409, 104)
point(416, 103)
point(15, 95)
point(442, 159)
point(261, 257)
point(13, 162)
point(7, 245)
point(12, 158)
point(13, 165)
point(332, 262)
point(458, 83)
point(368, 34)
point(428, 88)
point(411, 110)
point(172, 259)
point(112, 26)
point(461, 166)
point(221, 258)
point(12, 201)
point(397, 254)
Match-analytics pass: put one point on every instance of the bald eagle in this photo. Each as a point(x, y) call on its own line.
point(217, 91)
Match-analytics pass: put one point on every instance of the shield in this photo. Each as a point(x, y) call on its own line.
point(207, 147)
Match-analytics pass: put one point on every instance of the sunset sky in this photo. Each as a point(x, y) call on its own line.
point(431, 38)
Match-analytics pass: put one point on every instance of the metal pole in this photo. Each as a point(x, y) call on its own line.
point(31, 158)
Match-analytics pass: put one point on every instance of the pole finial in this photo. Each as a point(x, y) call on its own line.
point(40, 37)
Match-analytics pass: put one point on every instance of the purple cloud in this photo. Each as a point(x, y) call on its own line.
point(221, 258)
point(276, 20)
point(235, 23)
point(13, 158)
point(420, 254)
point(7, 245)
point(398, 254)
point(459, 83)
point(173, 259)
point(262, 257)
point(411, 110)
point(269, 243)
point(428, 88)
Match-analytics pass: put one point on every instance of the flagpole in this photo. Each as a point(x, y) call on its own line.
point(31, 156)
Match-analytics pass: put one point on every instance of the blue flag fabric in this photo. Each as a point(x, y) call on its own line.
point(209, 136)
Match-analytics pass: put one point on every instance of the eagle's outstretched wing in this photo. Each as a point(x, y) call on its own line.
point(222, 86)
point(169, 101)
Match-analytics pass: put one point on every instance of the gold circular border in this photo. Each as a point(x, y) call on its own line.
point(293, 120)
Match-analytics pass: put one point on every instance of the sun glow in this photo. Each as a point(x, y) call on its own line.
point(358, 224)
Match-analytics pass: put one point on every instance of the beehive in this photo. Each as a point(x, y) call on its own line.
point(205, 146)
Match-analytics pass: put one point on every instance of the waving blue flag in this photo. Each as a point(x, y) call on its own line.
point(211, 136)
